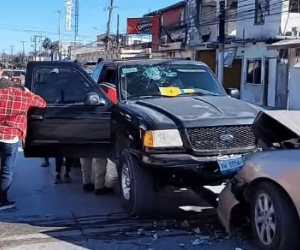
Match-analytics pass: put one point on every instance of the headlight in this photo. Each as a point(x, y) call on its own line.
point(162, 139)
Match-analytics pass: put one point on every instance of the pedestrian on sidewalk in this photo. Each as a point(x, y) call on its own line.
point(15, 102)
point(94, 171)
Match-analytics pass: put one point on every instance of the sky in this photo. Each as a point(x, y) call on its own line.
point(20, 20)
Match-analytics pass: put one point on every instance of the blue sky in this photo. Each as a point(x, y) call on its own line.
point(21, 19)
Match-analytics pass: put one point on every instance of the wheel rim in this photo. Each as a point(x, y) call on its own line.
point(126, 182)
point(265, 219)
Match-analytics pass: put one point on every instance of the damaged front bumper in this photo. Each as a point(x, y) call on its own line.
point(227, 201)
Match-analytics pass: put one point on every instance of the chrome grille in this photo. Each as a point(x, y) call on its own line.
point(221, 138)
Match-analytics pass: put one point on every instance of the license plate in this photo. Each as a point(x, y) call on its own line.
point(230, 165)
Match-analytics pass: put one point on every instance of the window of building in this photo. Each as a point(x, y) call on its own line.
point(254, 71)
point(60, 85)
point(233, 5)
point(295, 6)
point(262, 8)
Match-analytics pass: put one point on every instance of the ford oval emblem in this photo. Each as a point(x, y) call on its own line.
point(227, 138)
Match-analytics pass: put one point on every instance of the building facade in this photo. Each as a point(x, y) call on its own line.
point(170, 42)
point(251, 64)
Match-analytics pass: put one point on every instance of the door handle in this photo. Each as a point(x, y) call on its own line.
point(37, 117)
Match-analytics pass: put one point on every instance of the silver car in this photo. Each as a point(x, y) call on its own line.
point(267, 189)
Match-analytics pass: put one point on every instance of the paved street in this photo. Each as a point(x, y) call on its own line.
point(50, 216)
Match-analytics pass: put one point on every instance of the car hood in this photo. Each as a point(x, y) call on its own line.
point(199, 111)
point(277, 126)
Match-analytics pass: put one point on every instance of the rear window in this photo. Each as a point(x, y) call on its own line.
point(7, 73)
point(18, 73)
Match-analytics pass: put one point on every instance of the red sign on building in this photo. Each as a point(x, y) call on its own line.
point(144, 25)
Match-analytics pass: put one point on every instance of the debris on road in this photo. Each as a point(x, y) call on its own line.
point(197, 242)
point(197, 230)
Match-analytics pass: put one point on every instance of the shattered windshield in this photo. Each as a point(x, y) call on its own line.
point(168, 80)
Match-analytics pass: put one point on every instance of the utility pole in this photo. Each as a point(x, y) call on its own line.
point(118, 31)
point(76, 20)
point(59, 35)
point(110, 9)
point(35, 41)
point(23, 51)
point(221, 41)
point(23, 46)
point(11, 50)
point(3, 55)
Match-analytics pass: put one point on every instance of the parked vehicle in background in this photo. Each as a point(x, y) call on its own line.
point(268, 186)
point(16, 75)
point(172, 123)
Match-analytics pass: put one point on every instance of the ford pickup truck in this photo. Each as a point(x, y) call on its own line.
point(173, 123)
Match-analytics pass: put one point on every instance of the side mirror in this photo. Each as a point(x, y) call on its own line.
point(94, 99)
point(234, 93)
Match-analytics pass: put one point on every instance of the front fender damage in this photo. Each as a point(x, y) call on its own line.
point(227, 202)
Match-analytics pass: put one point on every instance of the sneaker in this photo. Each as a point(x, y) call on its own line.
point(67, 178)
point(7, 205)
point(104, 191)
point(88, 187)
point(57, 179)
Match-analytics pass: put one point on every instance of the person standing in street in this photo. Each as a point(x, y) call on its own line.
point(93, 175)
point(15, 102)
point(46, 162)
point(59, 163)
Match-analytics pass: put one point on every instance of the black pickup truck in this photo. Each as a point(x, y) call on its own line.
point(164, 122)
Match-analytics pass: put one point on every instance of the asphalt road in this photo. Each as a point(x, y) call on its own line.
point(50, 216)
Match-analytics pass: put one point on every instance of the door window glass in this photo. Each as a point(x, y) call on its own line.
point(97, 72)
point(109, 76)
point(63, 85)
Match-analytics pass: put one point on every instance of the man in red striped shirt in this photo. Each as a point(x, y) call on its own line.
point(15, 101)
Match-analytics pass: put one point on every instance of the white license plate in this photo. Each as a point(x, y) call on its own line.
point(230, 165)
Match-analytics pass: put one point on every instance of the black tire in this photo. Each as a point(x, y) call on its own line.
point(140, 202)
point(287, 227)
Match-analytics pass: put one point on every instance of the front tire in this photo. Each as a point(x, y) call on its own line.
point(136, 185)
point(275, 223)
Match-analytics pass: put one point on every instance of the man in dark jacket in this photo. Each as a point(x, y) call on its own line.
point(15, 101)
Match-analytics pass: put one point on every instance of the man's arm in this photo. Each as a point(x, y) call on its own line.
point(36, 101)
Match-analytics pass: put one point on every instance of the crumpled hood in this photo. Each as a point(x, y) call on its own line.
point(277, 126)
point(199, 111)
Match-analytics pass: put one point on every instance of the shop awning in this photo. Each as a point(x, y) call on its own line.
point(285, 44)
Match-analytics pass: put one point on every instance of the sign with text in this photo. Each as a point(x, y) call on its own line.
point(144, 25)
point(69, 5)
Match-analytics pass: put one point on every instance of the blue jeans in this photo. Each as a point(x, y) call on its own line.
point(8, 154)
